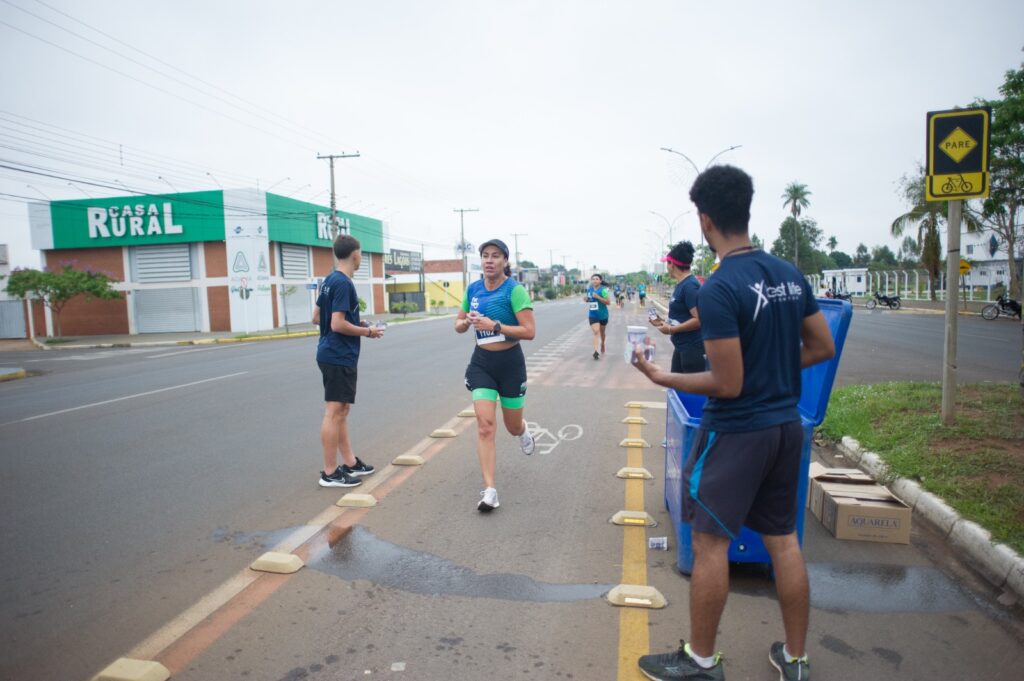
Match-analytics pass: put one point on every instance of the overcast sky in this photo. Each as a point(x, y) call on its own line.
point(545, 115)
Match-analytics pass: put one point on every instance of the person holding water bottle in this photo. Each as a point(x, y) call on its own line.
point(597, 300)
point(500, 312)
point(337, 354)
point(683, 324)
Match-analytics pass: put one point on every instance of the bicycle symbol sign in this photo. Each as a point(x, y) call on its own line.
point(547, 441)
point(958, 149)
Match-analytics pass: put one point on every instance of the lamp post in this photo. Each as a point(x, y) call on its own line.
point(670, 224)
point(276, 183)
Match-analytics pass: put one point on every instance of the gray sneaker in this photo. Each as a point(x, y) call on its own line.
point(678, 666)
point(797, 670)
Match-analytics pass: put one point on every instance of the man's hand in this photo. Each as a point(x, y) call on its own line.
point(664, 328)
point(648, 369)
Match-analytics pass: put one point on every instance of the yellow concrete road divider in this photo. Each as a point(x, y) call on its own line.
point(635, 420)
point(637, 596)
point(408, 460)
point(278, 563)
point(443, 432)
point(11, 374)
point(634, 518)
point(636, 404)
point(127, 669)
point(631, 473)
point(353, 500)
point(468, 413)
point(638, 442)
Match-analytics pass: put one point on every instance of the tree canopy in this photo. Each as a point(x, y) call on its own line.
point(57, 287)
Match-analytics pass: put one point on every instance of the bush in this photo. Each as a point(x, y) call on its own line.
point(362, 305)
point(550, 294)
point(404, 308)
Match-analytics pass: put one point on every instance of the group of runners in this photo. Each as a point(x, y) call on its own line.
point(741, 339)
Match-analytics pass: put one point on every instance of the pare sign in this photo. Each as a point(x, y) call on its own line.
point(132, 220)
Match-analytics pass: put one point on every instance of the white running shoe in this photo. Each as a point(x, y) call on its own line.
point(526, 442)
point(488, 500)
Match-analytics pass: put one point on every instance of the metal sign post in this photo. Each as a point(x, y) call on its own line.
point(958, 149)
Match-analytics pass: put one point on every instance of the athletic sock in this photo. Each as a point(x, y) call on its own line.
point(705, 662)
point(790, 658)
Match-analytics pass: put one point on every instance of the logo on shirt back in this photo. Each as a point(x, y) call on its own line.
point(789, 290)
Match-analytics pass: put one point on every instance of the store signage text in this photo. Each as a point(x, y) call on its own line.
point(323, 226)
point(137, 220)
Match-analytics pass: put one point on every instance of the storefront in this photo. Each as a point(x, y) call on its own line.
point(234, 260)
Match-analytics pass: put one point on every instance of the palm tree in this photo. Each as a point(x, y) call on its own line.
point(832, 243)
point(795, 196)
point(927, 216)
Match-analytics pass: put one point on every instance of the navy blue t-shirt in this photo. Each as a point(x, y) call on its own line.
point(763, 301)
point(338, 294)
point(684, 299)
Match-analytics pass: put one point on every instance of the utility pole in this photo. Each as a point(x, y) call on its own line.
point(462, 239)
point(516, 238)
point(334, 209)
point(949, 347)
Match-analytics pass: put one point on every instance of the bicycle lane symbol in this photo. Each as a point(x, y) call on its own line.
point(547, 441)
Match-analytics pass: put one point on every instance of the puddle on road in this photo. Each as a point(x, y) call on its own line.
point(362, 555)
point(258, 540)
point(873, 588)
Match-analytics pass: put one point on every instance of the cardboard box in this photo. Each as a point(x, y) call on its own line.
point(866, 515)
point(820, 475)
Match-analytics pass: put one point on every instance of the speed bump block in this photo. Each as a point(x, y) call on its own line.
point(635, 442)
point(645, 405)
point(630, 473)
point(635, 420)
point(467, 413)
point(634, 518)
point(443, 432)
point(636, 596)
point(280, 563)
point(408, 460)
point(127, 669)
point(352, 500)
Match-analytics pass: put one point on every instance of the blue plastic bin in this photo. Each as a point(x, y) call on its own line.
point(683, 419)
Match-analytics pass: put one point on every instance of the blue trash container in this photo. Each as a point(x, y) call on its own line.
point(683, 415)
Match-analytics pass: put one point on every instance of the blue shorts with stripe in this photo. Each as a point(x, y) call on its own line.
point(749, 478)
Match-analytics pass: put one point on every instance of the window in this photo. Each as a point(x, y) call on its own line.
point(970, 250)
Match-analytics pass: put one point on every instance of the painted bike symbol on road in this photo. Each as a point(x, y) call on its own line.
point(547, 441)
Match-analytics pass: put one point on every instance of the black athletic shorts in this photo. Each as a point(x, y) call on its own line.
point(736, 479)
point(339, 383)
point(688, 361)
point(595, 320)
point(503, 371)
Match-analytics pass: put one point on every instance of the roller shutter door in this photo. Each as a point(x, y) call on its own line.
point(12, 319)
point(164, 310)
point(295, 265)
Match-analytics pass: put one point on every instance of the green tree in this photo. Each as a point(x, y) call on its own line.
point(795, 195)
point(883, 257)
point(808, 239)
point(861, 257)
point(527, 263)
point(841, 260)
point(832, 243)
point(909, 252)
point(57, 287)
point(1003, 210)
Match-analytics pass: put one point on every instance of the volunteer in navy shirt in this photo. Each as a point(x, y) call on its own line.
point(500, 312)
point(598, 298)
point(683, 323)
point(337, 355)
point(760, 325)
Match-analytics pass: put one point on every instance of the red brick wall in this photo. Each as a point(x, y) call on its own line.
point(84, 316)
point(273, 302)
point(275, 248)
point(39, 317)
point(220, 307)
point(323, 261)
point(216, 259)
point(376, 265)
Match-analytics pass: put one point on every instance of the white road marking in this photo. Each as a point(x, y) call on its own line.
point(120, 399)
point(183, 352)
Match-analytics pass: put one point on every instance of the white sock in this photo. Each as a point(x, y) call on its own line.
point(791, 658)
point(705, 662)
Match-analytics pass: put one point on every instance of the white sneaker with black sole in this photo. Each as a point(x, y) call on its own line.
point(488, 500)
point(526, 442)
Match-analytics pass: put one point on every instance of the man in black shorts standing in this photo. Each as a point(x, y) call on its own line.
point(337, 354)
point(761, 326)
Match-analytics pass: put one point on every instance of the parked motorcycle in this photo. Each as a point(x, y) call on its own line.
point(1004, 305)
point(892, 302)
point(843, 296)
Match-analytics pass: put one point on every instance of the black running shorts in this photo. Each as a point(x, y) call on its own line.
point(339, 383)
point(503, 371)
point(688, 360)
point(596, 320)
point(736, 479)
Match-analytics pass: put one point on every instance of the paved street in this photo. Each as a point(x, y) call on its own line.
point(137, 481)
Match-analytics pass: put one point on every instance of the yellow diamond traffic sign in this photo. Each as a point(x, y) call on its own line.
point(965, 266)
point(958, 144)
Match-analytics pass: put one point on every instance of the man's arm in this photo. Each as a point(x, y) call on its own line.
point(346, 328)
point(316, 315)
point(818, 345)
point(724, 379)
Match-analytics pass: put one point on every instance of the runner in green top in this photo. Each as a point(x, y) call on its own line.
point(500, 312)
point(598, 298)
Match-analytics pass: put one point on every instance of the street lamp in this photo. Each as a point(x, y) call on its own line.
point(276, 183)
point(36, 189)
point(210, 175)
point(670, 224)
point(164, 179)
point(79, 189)
point(299, 190)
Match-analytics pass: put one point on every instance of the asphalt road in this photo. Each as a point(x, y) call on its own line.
point(135, 481)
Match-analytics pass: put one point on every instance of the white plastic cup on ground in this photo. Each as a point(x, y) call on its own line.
point(657, 543)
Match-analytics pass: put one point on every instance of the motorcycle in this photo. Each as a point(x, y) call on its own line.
point(893, 302)
point(843, 296)
point(1004, 305)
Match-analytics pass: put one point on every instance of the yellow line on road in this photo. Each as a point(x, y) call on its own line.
point(634, 640)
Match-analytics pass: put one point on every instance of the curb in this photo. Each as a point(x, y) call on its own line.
point(12, 374)
point(1000, 565)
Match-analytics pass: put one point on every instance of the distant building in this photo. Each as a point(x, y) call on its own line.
point(989, 259)
point(853, 280)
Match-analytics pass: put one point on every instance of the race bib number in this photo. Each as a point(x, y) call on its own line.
point(593, 306)
point(488, 337)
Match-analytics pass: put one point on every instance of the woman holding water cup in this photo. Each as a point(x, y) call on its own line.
point(683, 324)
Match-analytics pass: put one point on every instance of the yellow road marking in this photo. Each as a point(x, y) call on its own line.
point(634, 639)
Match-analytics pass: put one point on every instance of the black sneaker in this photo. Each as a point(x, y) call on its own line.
point(797, 670)
point(359, 470)
point(338, 478)
point(678, 666)
point(596, 355)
